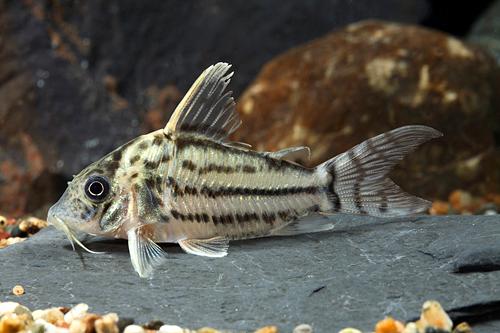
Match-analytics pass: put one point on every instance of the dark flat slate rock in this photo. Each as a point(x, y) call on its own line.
point(365, 269)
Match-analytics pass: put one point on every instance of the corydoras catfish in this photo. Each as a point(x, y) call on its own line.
point(189, 184)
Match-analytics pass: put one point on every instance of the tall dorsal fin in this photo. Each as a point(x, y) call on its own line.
point(206, 109)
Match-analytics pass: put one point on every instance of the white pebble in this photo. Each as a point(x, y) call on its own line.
point(303, 328)
point(13, 307)
point(7, 307)
point(77, 312)
point(170, 329)
point(411, 328)
point(133, 329)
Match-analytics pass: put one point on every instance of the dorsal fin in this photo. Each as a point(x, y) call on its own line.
point(206, 109)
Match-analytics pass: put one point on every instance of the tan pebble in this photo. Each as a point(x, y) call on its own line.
point(439, 208)
point(106, 324)
point(350, 330)
point(9, 241)
point(111, 316)
point(52, 315)
point(136, 329)
point(89, 320)
point(463, 328)
point(303, 328)
point(410, 328)
point(11, 323)
point(170, 329)
point(37, 314)
point(433, 316)
point(267, 329)
point(18, 290)
point(76, 312)
point(78, 326)
point(48, 327)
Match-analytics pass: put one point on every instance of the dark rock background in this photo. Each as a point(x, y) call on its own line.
point(78, 78)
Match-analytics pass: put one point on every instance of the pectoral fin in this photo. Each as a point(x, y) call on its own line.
point(144, 253)
point(213, 247)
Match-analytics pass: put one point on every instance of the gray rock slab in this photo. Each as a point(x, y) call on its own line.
point(366, 268)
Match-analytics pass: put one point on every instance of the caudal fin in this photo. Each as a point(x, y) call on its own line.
point(357, 179)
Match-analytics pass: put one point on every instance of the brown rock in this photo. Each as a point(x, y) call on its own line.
point(370, 77)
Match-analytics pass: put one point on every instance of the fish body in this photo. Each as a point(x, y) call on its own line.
point(188, 184)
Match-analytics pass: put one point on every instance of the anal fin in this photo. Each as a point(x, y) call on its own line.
point(304, 225)
point(144, 253)
point(215, 247)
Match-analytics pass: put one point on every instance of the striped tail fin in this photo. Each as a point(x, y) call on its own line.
point(357, 179)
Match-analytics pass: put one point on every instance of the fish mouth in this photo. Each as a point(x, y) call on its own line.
point(61, 225)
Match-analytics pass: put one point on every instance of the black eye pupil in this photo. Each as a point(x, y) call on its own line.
point(97, 188)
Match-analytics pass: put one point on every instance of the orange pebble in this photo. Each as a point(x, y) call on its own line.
point(267, 329)
point(389, 325)
point(460, 200)
point(18, 290)
point(439, 208)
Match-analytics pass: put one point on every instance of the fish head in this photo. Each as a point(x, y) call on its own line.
point(94, 202)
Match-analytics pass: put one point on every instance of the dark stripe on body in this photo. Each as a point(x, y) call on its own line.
point(233, 191)
point(186, 164)
point(212, 167)
point(244, 191)
point(134, 159)
point(229, 219)
point(184, 142)
point(158, 139)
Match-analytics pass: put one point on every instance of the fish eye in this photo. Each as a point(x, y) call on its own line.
point(97, 188)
